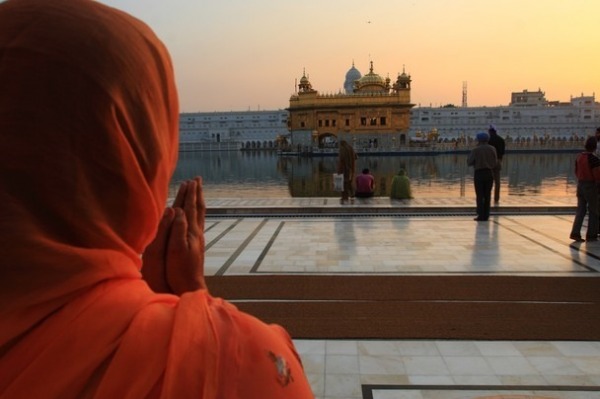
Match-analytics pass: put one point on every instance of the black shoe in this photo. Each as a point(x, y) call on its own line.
point(588, 239)
point(576, 238)
point(478, 219)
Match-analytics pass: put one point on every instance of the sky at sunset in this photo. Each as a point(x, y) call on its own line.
point(238, 55)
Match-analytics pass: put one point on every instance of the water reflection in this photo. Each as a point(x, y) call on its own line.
point(231, 174)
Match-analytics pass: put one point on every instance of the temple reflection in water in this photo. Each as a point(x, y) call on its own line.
point(233, 174)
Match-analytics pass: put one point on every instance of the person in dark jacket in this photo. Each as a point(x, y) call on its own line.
point(498, 143)
point(483, 159)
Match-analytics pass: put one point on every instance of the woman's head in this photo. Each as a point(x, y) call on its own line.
point(88, 132)
point(88, 122)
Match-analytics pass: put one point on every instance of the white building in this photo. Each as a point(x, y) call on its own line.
point(231, 130)
point(528, 115)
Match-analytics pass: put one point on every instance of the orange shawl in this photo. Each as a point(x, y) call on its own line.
point(88, 143)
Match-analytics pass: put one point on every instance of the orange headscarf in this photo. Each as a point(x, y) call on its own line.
point(88, 143)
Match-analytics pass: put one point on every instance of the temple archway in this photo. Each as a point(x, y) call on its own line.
point(327, 140)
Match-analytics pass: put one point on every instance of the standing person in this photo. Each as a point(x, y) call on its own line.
point(498, 143)
point(597, 136)
point(597, 153)
point(587, 170)
point(483, 159)
point(102, 289)
point(365, 184)
point(401, 186)
point(346, 166)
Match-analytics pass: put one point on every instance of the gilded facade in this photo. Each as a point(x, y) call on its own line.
point(372, 112)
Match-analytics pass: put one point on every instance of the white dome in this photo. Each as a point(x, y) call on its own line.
point(352, 75)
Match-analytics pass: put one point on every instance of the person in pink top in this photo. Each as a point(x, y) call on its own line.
point(365, 184)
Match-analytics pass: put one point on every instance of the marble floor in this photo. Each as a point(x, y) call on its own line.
point(376, 369)
point(517, 242)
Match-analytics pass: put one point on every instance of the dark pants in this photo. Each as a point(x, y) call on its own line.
point(587, 202)
point(484, 181)
point(496, 173)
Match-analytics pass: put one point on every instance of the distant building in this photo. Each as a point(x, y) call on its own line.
point(232, 130)
point(529, 115)
point(528, 99)
point(371, 112)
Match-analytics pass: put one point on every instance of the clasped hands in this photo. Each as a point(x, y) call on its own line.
point(174, 261)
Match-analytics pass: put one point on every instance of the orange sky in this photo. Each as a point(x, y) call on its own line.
point(241, 55)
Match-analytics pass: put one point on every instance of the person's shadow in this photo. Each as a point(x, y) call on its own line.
point(485, 254)
point(346, 242)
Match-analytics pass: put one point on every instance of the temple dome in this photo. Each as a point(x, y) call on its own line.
point(371, 79)
point(372, 82)
point(352, 76)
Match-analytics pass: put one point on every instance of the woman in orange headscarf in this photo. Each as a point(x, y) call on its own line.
point(88, 127)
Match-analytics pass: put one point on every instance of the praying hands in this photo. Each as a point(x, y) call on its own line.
point(174, 261)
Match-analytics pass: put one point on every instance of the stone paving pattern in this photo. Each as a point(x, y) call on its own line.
point(524, 236)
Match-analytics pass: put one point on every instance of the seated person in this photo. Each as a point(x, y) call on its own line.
point(365, 184)
point(401, 186)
